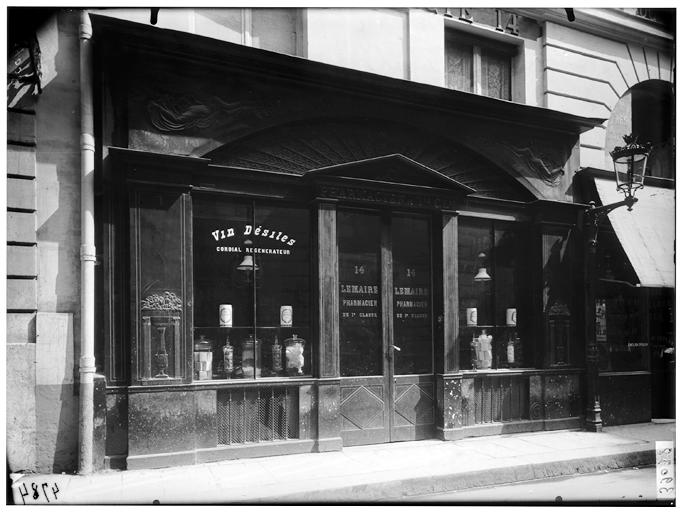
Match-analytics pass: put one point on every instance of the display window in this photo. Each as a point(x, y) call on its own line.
point(251, 290)
point(161, 297)
point(558, 292)
point(623, 342)
point(493, 294)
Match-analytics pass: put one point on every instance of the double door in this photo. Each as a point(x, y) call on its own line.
point(385, 326)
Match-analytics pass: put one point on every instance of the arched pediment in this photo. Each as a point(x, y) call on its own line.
point(327, 143)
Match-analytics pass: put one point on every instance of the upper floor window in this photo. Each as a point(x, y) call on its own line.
point(277, 30)
point(477, 65)
point(652, 120)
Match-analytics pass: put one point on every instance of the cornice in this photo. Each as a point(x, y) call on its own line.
point(609, 23)
point(151, 42)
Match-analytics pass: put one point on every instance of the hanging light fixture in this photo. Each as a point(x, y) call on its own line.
point(482, 274)
point(248, 263)
point(630, 162)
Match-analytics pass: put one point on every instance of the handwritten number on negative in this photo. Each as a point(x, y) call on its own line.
point(25, 492)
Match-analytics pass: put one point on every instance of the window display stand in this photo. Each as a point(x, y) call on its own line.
point(243, 353)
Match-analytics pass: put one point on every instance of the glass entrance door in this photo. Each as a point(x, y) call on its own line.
point(385, 321)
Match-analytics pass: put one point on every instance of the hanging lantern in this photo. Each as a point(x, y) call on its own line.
point(630, 163)
point(248, 263)
point(482, 274)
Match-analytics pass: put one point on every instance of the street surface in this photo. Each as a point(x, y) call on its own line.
point(622, 485)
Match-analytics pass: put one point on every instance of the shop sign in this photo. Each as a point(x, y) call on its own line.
point(601, 326)
point(359, 300)
point(410, 302)
point(259, 234)
point(260, 231)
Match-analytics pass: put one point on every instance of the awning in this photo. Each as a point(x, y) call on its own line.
point(646, 233)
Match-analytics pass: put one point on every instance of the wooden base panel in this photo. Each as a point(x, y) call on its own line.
point(329, 444)
point(203, 455)
point(253, 450)
point(514, 427)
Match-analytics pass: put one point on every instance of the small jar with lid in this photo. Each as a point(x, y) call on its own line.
point(250, 356)
point(295, 360)
point(203, 359)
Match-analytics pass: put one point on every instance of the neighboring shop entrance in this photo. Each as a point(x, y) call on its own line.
point(385, 326)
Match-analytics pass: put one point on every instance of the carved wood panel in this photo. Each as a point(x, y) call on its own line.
point(301, 147)
point(362, 407)
point(413, 404)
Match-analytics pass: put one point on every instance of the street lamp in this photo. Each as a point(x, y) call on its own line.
point(629, 163)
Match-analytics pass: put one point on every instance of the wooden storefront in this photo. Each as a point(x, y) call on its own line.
point(343, 218)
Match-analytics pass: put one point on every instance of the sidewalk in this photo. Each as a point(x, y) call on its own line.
point(388, 472)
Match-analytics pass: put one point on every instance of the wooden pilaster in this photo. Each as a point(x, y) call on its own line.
point(450, 283)
point(328, 413)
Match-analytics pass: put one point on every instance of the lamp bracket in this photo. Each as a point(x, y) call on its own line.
point(594, 214)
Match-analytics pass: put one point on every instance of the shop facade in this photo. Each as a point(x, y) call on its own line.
point(332, 266)
point(294, 256)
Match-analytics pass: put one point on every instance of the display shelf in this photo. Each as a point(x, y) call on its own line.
point(250, 327)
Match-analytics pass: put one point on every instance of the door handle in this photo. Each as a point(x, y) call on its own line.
point(395, 347)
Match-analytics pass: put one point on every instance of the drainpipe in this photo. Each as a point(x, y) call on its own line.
point(87, 253)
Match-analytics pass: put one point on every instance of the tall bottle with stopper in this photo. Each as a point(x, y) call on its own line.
point(276, 356)
point(511, 322)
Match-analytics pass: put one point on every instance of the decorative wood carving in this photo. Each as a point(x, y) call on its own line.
point(250, 124)
point(541, 165)
point(167, 301)
point(301, 147)
point(180, 113)
point(561, 398)
point(542, 158)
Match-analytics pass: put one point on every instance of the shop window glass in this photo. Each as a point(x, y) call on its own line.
point(359, 256)
point(623, 344)
point(159, 289)
point(251, 290)
point(412, 326)
point(493, 295)
point(557, 294)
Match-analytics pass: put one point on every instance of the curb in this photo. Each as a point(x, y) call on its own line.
point(413, 487)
